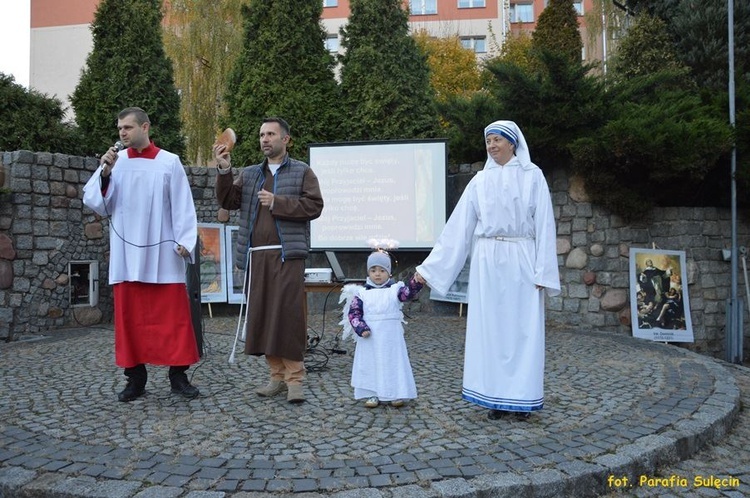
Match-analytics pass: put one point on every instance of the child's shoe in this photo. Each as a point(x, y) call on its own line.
point(397, 403)
point(372, 402)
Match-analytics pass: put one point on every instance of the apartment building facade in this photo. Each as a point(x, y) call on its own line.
point(482, 25)
point(61, 38)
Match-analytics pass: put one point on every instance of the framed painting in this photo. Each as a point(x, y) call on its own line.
point(459, 289)
point(659, 302)
point(235, 275)
point(212, 269)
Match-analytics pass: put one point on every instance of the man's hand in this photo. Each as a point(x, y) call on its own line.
point(182, 251)
point(108, 161)
point(419, 278)
point(222, 156)
point(266, 198)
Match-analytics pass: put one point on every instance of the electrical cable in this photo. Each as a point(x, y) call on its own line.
point(206, 344)
point(112, 226)
point(316, 350)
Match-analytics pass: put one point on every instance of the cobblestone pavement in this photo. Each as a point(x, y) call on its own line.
point(706, 473)
point(615, 407)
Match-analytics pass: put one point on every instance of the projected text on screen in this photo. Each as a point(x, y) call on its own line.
point(382, 190)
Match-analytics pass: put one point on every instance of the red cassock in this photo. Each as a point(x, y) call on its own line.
point(153, 325)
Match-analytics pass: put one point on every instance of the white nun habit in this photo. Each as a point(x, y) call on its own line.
point(504, 222)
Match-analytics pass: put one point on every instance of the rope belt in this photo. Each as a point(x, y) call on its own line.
point(248, 273)
point(242, 327)
point(264, 248)
point(511, 239)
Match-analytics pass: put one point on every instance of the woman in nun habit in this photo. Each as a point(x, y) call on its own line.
point(505, 223)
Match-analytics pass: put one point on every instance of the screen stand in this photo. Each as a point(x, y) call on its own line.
point(333, 262)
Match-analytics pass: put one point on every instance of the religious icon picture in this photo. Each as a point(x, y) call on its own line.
point(211, 254)
point(235, 275)
point(659, 304)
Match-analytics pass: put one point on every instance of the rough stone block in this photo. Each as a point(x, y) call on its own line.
point(6, 274)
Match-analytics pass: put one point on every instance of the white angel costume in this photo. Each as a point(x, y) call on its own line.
point(381, 366)
point(504, 221)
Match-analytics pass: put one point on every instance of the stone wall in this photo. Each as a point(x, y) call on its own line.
point(44, 226)
point(593, 249)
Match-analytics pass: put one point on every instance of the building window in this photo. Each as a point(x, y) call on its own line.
point(521, 12)
point(332, 43)
point(577, 4)
point(468, 4)
point(330, 3)
point(476, 43)
point(422, 7)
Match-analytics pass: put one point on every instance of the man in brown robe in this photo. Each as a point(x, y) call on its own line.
point(277, 200)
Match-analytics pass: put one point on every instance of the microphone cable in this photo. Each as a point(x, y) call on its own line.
point(206, 343)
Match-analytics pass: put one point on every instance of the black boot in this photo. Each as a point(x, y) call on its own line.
point(136, 386)
point(180, 383)
point(496, 414)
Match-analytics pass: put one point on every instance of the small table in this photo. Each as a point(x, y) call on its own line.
point(320, 287)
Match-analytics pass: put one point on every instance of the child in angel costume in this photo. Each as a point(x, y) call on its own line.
point(372, 316)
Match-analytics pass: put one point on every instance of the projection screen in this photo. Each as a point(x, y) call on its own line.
point(380, 190)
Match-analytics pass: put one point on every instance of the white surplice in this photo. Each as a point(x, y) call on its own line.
point(504, 221)
point(150, 205)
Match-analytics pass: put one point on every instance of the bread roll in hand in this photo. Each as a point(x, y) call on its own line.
point(227, 138)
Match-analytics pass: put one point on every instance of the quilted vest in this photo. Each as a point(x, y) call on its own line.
point(294, 235)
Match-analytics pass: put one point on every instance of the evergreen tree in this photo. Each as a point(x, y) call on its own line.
point(742, 140)
point(284, 70)
point(700, 31)
point(203, 39)
point(555, 103)
point(646, 48)
point(385, 79)
point(127, 67)
point(659, 147)
point(32, 121)
point(552, 96)
point(467, 116)
point(557, 30)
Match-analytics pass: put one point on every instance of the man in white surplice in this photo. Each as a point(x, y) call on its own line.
point(153, 227)
point(504, 221)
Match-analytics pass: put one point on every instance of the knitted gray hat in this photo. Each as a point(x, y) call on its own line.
point(379, 258)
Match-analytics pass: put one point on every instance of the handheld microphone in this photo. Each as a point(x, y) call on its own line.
point(118, 147)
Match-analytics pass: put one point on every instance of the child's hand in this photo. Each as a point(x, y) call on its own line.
point(419, 278)
point(365, 333)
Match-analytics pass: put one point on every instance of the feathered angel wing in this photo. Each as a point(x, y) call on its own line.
point(347, 293)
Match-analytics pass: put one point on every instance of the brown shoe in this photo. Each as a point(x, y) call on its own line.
point(295, 395)
point(273, 388)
